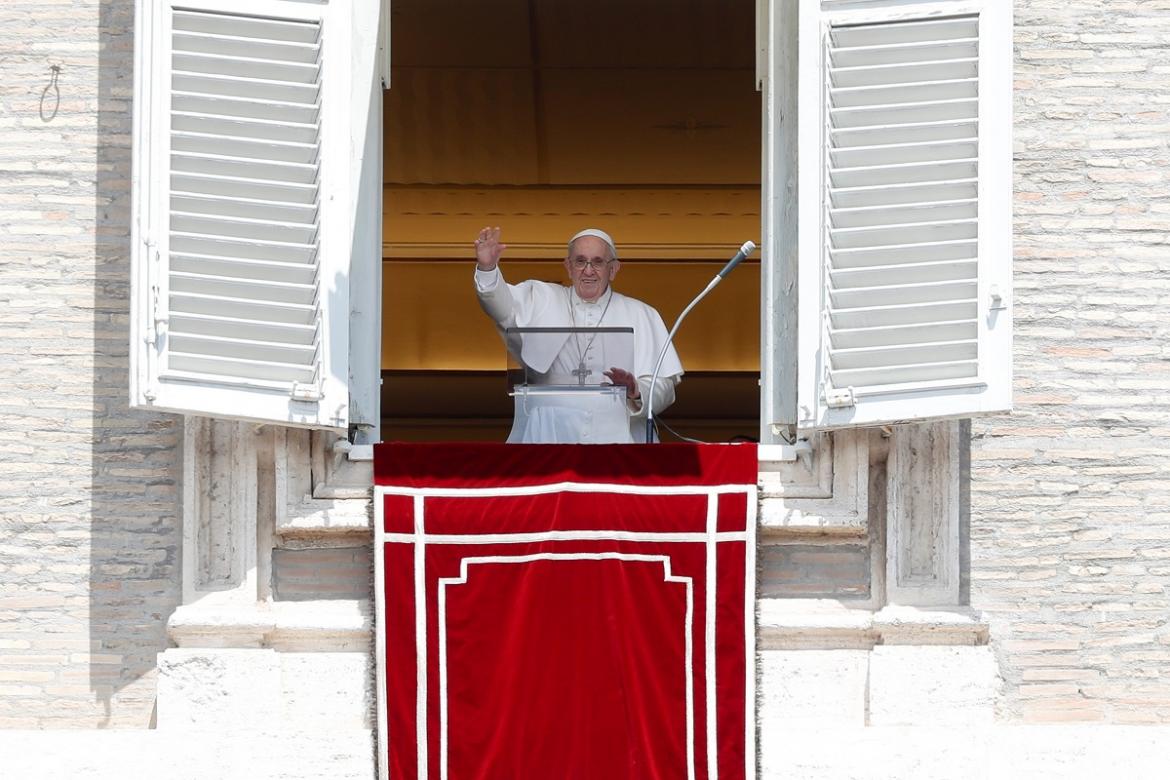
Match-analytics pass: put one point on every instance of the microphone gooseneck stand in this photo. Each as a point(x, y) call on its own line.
point(745, 250)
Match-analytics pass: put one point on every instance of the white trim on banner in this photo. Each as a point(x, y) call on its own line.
point(710, 539)
point(464, 567)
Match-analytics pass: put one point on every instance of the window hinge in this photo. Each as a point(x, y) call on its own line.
point(305, 392)
point(839, 398)
point(997, 303)
point(155, 322)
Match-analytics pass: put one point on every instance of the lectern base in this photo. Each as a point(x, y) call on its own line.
point(551, 414)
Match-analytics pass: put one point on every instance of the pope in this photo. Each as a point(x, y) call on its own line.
point(590, 301)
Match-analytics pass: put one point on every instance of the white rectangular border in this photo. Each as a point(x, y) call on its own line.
point(710, 538)
point(688, 639)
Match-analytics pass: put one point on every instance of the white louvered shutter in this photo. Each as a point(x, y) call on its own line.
point(244, 216)
point(904, 257)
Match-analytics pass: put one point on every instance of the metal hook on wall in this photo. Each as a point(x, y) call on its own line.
point(52, 85)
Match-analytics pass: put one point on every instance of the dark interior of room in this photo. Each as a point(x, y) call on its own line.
point(544, 117)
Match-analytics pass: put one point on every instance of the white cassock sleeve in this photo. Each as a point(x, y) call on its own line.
point(663, 395)
point(528, 304)
point(495, 297)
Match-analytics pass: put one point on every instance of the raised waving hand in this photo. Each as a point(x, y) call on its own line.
point(488, 249)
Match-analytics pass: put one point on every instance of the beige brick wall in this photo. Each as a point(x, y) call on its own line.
point(1070, 499)
point(88, 527)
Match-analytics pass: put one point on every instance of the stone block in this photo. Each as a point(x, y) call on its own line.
point(806, 687)
point(939, 686)
point(326, 690)
point(236, 688)
point(218, 688)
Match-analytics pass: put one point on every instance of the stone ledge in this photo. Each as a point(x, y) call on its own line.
point(784, 624)
point(262, 753)
point(291, 626)
point(314, 518)
point(926, 626)
point(990, 752)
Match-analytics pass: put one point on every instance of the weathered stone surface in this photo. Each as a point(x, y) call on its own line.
point(812, 688)
point(260, 753)
point(963, 752)
point(932, 686)
point(207, 689)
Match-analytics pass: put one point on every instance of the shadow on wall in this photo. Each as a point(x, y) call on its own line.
point(134, 573)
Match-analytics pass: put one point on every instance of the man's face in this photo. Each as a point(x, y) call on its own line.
point(591, 267)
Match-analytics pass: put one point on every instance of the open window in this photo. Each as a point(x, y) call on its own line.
point(545, 117)
point(875, 170)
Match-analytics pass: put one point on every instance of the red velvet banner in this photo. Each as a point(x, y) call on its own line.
point(565, 611)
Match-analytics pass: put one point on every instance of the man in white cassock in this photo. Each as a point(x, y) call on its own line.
point(588, 302)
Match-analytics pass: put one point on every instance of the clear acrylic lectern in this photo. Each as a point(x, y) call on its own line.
point(560, 392)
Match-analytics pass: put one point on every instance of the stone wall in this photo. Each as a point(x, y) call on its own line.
point(89, 533)
point(1069, 515)
point(1069, 499)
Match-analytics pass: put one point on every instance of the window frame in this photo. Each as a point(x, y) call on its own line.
point(791, 74)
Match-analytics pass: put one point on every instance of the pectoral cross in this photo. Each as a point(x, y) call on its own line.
point(581, 372)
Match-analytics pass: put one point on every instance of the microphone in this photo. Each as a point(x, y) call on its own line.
point(745, 250)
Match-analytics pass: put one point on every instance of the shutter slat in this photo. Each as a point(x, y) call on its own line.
point(906, 214)
point(903, 253)
point(905, 334)
point(261, 90)
point(237, 46)
point(239, 127)
point(250, 148)
point(885, 34)
point(243, 289)
point(264, 311)
point(251, 369)
point(246, 208)
point(289, 273)
point(852, 278)
point(224, 227)
point(234, 186)
point(286, 252)
point(218, 325)
point(948, 130)
point(895, 194)
point(888, 235)
point(246, 26)
point(243, 349)
point(896, 94)
point(247, 67)
point(879, 316)
point(902, 294)
point(897, 154)
point(904, 173)
point(275, 111)
point(903, 375)
point(871, 75)
point(243, 167)
point(885, 356)
point(904, 114)
point(890, 54)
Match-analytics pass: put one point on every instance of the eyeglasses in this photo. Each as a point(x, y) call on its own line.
point(597, 264)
